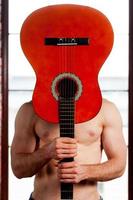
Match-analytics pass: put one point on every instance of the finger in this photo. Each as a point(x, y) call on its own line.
point(68, 140)
point(66, 151)
point(67, 176)
point(66, 146)
point(67, 171)
point(70, 146)
point(61, 156)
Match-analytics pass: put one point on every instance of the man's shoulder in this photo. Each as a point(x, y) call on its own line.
point(26, 109)
point(107, 104)
point(110, 111)
point(27, 105)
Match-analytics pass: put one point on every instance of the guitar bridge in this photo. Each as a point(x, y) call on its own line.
point(66, 41)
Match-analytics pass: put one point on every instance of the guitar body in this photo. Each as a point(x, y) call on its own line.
point(67, 42)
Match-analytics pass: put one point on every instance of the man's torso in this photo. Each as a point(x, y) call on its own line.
point(88, 135)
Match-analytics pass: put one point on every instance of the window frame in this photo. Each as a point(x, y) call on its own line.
point(4, 101)
point(130, 125)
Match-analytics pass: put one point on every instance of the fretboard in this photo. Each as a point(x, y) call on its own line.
point(66, 120)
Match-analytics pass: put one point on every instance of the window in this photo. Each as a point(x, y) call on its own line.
point(113, 80)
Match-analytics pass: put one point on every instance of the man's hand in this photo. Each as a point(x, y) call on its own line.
point(71, 172)
point(63, 147)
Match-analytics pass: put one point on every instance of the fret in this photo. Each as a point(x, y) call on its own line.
point(65, 192)
point(67, 105)
point(67, 108)
point(66, 133)
point(64, 119)
point(70, 103)
point(71, 136)
point(70, 121)
point(66, 115)
point(67, 111)
point(69, 128)
point(66, 195)
point(67, 199)
point(63, 122)
point(63, 99)
point(70, 124)
point(66, 123)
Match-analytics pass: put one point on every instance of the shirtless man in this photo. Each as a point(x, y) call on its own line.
point(37, 149)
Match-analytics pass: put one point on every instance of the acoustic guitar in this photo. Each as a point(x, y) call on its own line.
point(66, 46)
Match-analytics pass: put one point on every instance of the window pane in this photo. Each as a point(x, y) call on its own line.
point(116, 11)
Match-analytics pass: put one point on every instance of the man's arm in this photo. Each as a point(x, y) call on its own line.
point(26, 161)
point(114, 147)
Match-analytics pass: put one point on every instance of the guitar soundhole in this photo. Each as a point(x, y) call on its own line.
point(67, 88)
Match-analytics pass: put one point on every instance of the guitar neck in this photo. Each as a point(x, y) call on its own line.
point(66, 120)
point(66, 117)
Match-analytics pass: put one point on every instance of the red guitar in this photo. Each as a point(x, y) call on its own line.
point(66, 46)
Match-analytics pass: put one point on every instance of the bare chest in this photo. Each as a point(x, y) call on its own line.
point(86, 133)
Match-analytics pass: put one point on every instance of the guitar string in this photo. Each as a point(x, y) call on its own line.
point(68, 101)
point(67, 65)
point(69, 92)
point(71, 124)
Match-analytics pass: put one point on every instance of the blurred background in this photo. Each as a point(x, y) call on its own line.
point(113, 80)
